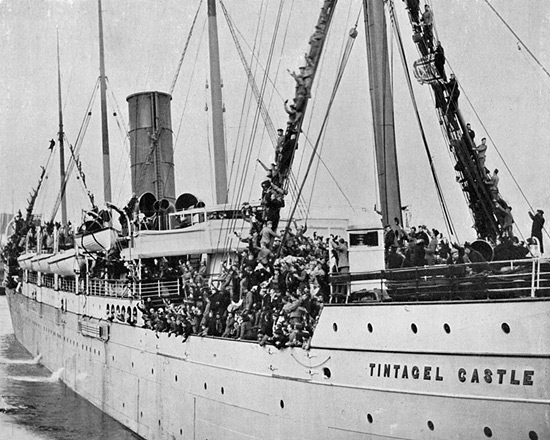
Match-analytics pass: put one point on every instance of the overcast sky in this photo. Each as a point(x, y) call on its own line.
point(144, 39)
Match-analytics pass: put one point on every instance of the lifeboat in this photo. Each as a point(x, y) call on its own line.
point(101, 240)
point(25, 260)
point(39, 263)
point(67, 263)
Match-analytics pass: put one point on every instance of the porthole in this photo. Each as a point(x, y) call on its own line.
point(222, 390)
point(430, 425)
point(505, 328)
point(487, 431)
point(123, 405)
point(176, 378)
point(327, 373)
point(335, 327)
point(132, 365)
point(414, 328)
point(369, 327)
point(159, 422)
point(181, 431)
point(205, 386)
point(141, 414)
point(533, 435)
point(369, 418)
point(282, 404)
point(447, 328)
point(152, 371)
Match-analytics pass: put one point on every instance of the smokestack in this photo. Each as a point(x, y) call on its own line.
point(151, 149)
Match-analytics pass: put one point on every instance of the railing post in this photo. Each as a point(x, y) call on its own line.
point(538, 273)
point(533, 270)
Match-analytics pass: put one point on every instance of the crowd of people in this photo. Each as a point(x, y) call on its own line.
point(427, 247)
point(272, 293)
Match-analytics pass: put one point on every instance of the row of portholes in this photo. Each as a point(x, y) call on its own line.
point(486, 430)
point(505, 328)
point(222, 391)
point(141, 415)
point(127, 313)
point(70, 341)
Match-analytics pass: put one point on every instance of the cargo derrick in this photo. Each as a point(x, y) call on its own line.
point(487, 208)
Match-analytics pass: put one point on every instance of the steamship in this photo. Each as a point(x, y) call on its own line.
point(423, 353)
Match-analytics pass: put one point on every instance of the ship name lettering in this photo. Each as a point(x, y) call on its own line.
point(426, 372)
point(501, 376)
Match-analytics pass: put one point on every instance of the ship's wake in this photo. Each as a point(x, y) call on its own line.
point(56, 375)
point(6, 408)
point(34, 361)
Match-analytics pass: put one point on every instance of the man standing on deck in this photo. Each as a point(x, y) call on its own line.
point(536, 228)
point(341, 249)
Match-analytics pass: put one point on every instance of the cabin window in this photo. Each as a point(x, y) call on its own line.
point(364, 239)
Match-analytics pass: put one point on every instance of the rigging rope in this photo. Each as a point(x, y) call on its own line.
point(173, 85)
point(189, 82)
point(268, 123)
point(445, 210)
point(343, 49)
point(242, 127)
point(517, 37)
point(125, 136)
point(78, 143)
point(500, 156)
point(339, 76)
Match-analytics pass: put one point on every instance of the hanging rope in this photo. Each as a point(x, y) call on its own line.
point(444, 208)
point(173, 85)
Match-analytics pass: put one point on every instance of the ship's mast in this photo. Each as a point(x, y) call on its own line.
point(60, 138)
point(104, 124)
point(220, 173)
point(382, 110)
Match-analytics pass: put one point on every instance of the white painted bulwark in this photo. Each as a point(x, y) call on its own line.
point(450, 370)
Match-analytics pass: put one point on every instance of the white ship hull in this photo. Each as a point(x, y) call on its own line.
point(472, 370)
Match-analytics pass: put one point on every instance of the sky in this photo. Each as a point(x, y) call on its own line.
point(505, 96)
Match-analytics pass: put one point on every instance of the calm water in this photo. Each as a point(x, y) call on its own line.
point(34, 405)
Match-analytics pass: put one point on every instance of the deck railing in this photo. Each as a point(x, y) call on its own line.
point(112, 288)
point(501, 279)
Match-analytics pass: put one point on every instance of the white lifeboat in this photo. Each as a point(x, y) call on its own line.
point(24, 260)
point(39, 263)
point(67, 263)
point(99, 241)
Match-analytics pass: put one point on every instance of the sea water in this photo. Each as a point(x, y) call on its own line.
point(36, 405)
